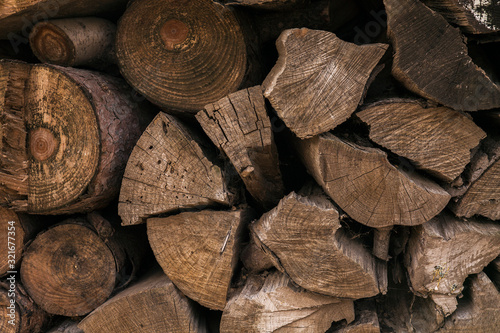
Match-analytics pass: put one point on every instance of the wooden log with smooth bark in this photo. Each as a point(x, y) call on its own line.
point(318, 80)
point(181, 55)
point(199, 251)
point(19, 314)
point(18, 17)
point(170, 169)
point(431, 59)
point(71, 269)
point(273, 303)
point(80, 127)
point(437, 140)
point(303, 237)
point(444, 251)
point(239, 126)
point(366, 186)
point(74, 42)
point(366, 320)
point(151, 305)
point(478, 311)
point(474, 17)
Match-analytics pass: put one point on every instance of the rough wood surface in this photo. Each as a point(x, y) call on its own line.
point(181, 55)
point(478, 311)
point(199, 251)
point(431, 59)
point(275, 304)
point(238, 125)
point(255, 259)
point(366, 320)
point(381, 242)
point(18, 16)
point(302, 235)
point(74, 42)
point(151, 305)
point(366, 186)
point(438, 140)
point(169, 170)
point(444, 251)
point(318, 80)
point(28, 317)
point(475, 17)
point(265, 4)
point(66, 326)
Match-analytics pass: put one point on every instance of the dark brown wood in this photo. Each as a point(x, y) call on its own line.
point(238, 125)
point(431, 59)
point(366, 320)
point(169, 169)
point(318, 80)
point(151, 305)
point(199, 251)
point(74, 42)
point(265, 4)
point(66, 326)
point(273, 303)
point(255, 259)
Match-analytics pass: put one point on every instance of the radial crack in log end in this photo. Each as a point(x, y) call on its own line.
point(301, 236)
point(199, 251)
point(318, 80)
point(431, 59)
point(438, 140)
point(154, 304)
point(444, 251)
point(168, 171)
point(274, 304)
point(238, 124)
point(366, 186)
point(181, 55)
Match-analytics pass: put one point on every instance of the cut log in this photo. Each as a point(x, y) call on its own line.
point(66, 326)
point(238, 125)
point(168, 170)
point(431, 59)
point(255, 259)
point(81, 128)
point(302, 236)
point(19, 314)
point(181, 55)
point(70, 270)
point(266, 4)
point(367, 187)
point(435, 139)
point(366, 320)
point(74, 42)
point(474, 17)
point(275, 304)
point(479, 310)
point(151, 305)
point(17, 230)
point(318, 80)
point(199, 251)
point(444, 251)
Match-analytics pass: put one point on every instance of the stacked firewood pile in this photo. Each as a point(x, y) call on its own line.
point(249, 166)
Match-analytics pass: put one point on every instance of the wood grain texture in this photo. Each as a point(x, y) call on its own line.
point(266, 4)
point(151, 305)
point(366, 320)
point(239, 126)
point(200, 58)
point(318, 80)
point(199, 251)
point(275, 304)
point(438, 140)
point(431, 59)
point(168, 170)
point(366, 186)
point(301, 235)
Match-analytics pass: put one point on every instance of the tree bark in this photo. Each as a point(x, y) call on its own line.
point(302, 236)
point(199, 251)
point(74, 42)
point(437, 140)
point(366, 186)
point(181, 55)
point(239, 126)
point(275, 304)
point(70, 269)
point(318, 80)
point(151, 305)
point(169, 169)
point(431, 59)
